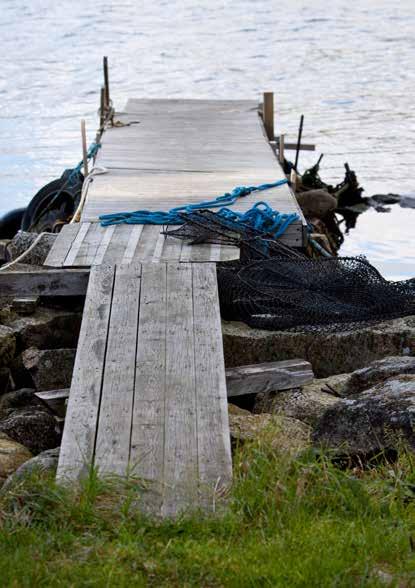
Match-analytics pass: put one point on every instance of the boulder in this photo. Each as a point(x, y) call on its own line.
point(12, 456)
point(306, 404)
point(23, 240)
point(47, 328)
point(278, 432)
point(49, 369)
point(316, 203)
point(328, 352)
point(34, 428)
point(44, 463)
point(378, 371)
point(6, 381)
point(18, 399)
point(7, 345)
point(371, 422)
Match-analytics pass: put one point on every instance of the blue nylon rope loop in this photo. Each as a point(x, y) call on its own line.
point(261, 216)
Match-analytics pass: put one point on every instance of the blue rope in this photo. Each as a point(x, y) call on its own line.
point(261, 216)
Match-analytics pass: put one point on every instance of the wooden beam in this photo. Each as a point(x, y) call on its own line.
point(293, 146)
point(84, 147)
point(44, 283)
point(106, 84)
point(268, 377)
point(268, 114)
point(247, 379)
point(281, 149)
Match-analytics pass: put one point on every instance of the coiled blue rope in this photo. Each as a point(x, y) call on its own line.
point(261, 216)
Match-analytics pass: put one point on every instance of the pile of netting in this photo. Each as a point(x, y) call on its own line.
point(273, 286)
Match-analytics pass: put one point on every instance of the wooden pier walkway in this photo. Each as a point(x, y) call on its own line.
point(148, 395)
point(174, 152)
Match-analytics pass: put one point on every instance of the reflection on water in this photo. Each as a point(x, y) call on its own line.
point(349, 69)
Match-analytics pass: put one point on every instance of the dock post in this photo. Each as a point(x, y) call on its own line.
point(102, 109)
point(106, 84)
point(269, 114)
point(84, 148)
point(281, 147)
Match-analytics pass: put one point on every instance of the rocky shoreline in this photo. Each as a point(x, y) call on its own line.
point(361, 403)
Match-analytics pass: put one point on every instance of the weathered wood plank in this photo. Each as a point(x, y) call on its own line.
point(268, 377)
point(78, 440)
point(58, 282)
point(115, 418)
point(61, 246)
point(147, 437)
point(76, 245)
point(180, 460)
point(214, 451)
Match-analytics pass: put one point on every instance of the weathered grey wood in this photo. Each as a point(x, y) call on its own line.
point(213, 439)
point(78, 440)
point(55, 400)
point(268, 377)
point(181, 451)
point(103, 246)
point(118, 244)
point(53, 282)
point(89, 246)
point(268, 114)
point(62, 244)
point(25, 305)
point(76, 245)
point(132, 244)
point(147, 437)
point(115, 417)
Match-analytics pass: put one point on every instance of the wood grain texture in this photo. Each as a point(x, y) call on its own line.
point(114, 424)
point(78, 442)
point(61, 246)
point(213, 438)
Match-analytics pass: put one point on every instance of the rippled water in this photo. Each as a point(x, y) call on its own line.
point(347, 67)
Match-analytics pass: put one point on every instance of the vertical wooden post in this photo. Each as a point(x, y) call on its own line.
point(294, 180)
point(102, 109)
point(281, 147)
point(269, 114)
point(106, 84)
point(84, 148)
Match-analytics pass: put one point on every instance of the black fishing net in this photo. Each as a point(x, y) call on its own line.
point(275, 287)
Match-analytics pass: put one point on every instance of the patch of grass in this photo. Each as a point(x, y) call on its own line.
point(299, 522)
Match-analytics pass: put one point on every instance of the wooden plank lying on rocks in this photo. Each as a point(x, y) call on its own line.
point(245, 379)
point(57, 282)
point(268, 377)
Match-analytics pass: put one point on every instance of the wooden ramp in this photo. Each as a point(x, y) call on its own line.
point(148, 394)
point(170, 153)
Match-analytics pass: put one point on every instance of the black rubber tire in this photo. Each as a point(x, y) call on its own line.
point(37, 221)
point(11, 222)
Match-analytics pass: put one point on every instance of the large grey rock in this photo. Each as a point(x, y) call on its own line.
point(23, 398)
point(306, 404)
point(372, 421)
point(44, 463)
point(329, 353)
point(278, 432)
point(378, 371)
point(35, 429)
point(47, 328)
point(7, 345)
point(12, 456)
point(50, 369)
point(23, 240)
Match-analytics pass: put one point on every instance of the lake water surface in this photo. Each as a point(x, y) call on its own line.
point(348, 67)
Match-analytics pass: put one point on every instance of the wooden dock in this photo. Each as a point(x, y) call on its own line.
point(148, 395)
point(174, 152)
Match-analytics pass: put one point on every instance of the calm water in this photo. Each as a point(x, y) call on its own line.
point(348, 68)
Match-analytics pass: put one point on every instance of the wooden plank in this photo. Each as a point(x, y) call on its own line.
point(62, 244)
point(76, 245)
point(118, 244)
point(146, 245)
point(103, 246)
point(88, 248)
point(147, 437)
point(180, 460)
point(78, 442)
point(135, 235)
point(213, 437)
point(56, 282)
point(115, 418)
point(268, 377)
point(268, 114)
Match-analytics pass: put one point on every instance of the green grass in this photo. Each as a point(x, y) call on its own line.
point(290, 523)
